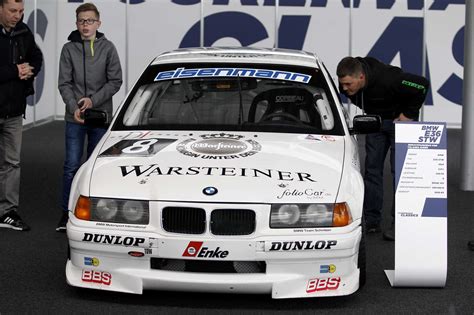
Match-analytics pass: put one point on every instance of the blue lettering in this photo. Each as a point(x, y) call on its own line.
point(281, 74)
point(41, 27)
point(206, 72)
point(164, 75)
point(403, 36)
point(385, 4)
point(186, 2)
point(381, 4)
point(452, 88)
point(292, 3)
point(443, 4)
point(264, 74)
point(243, 73)
point(319, 3)
point(415, 4)
point(240, 26)
point(292, 31)
point(123, 1)
point(233, 72)
point(228, 72)
point(177, 72)
point(347, 3)
point(188, 73)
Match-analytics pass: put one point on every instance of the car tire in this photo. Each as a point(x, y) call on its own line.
point(361, 260)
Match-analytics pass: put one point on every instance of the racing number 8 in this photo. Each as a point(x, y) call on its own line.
point(140, 146)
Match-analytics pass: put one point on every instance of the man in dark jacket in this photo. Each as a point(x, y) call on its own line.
point(395, 95)
point(20, 62)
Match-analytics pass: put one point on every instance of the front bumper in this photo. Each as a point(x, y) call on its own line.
point(303, 265)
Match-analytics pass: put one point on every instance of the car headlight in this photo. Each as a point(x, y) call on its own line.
point(310, 215)
point(106, 209)
point(112, 210)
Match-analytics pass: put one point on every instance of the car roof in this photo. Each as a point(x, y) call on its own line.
point(239, 54)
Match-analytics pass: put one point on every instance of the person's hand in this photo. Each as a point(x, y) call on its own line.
point(402, 117)
point(25, 71)
point(77, 116)
point(85, 103)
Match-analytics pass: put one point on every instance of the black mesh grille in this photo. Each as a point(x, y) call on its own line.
point(232, 222)
point(207, 266)
point(184, 220)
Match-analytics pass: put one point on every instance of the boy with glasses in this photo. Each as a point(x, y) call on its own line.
point(89, 75)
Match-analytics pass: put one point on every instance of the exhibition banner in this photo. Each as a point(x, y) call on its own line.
point(420, 205)
point(422, 37)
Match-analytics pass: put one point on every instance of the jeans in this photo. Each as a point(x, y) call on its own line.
point(11, 132)
point(75, 138)
point(376, 148)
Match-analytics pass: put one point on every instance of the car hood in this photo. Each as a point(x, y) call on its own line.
point(238, 166)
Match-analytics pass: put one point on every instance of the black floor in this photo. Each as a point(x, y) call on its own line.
point(32, 264)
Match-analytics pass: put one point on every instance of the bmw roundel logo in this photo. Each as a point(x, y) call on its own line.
point(209, 191)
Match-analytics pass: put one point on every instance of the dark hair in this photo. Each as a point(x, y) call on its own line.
point(2, 2)
point(87, 7)
point(349, 66)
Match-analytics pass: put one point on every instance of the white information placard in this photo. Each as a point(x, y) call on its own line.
point(420, 205)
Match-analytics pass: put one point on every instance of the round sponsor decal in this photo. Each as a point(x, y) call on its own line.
point(191, 251)
point(219, 146)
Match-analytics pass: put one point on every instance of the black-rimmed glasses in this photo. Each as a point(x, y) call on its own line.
point(86, 21)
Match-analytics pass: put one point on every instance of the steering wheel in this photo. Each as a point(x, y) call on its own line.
point(282, 115)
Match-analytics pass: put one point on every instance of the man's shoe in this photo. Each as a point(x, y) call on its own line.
point(62, 222)
point(373, 228)
point(389, 234)
point(12, 220)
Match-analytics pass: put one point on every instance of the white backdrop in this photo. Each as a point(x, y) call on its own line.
point(396, 32)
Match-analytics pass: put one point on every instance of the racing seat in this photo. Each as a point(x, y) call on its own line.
point(285, 104)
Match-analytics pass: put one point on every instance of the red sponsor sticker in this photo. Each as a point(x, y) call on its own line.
point(136, 254)
point(96, 276)
point(323, 284)
point(193, 249)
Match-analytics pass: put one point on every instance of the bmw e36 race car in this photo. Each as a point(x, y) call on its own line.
point(224, 170)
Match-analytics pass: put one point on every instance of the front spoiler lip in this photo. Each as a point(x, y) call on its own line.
point(286, 276)
point(290, 284)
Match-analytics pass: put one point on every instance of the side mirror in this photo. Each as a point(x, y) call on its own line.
point(95, 118)
point(362, 124)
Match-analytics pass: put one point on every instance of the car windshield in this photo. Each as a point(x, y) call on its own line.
point(248, 97)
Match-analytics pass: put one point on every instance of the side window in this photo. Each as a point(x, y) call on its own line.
point(346, 116)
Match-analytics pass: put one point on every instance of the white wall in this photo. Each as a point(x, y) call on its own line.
point(392, 31)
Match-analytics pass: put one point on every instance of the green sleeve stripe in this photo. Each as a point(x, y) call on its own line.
point(414, 85)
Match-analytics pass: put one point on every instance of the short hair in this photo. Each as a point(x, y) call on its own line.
point(87, 7)
point(2, 2)
point(349, 66)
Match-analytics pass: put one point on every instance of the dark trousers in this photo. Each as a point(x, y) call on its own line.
point(75, 139)
point(376, 148)
point(11, 132)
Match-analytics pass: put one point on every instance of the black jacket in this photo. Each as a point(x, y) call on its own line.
point(16, 47)
point(389, 91)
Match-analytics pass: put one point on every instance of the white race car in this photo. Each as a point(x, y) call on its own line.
point(224, 170)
